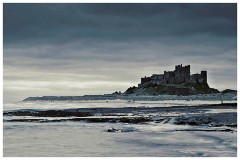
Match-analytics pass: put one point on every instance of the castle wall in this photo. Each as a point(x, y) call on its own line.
point(199, 78)
point(169, 77)
point(179, 75)
point(145, 80)
point(157, 78)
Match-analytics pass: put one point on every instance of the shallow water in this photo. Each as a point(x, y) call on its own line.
point(103, 104)
point(91, 139)
point(79, 139)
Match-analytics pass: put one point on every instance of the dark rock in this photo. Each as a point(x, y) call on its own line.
point(135, 120)
point(48, 113)
point(231, 125)
point(229, 91)
point(215, 125)
point(159, 120)
point(180, 123)
point(120, 130)
point(36, 120)
point(95, 120)
point(130, 90)
point(113, 130)
point(208, 130)
point(224, 104)
point(184, 89)
point(193, 121)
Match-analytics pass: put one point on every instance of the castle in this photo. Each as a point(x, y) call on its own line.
point(179, 75)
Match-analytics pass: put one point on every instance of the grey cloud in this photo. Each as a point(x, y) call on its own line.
point(113, 58)
point(59, 23)
point(146, 52)
point(56, 44)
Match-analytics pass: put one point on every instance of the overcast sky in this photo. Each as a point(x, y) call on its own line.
point(79, 49)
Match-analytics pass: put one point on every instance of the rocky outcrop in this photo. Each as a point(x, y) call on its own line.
point(48, 113)
point(229, 91)
point(189, 88)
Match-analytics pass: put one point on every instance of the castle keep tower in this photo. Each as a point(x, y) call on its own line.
point(182, 74)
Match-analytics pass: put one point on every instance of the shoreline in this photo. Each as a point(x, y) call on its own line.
point(212, 97)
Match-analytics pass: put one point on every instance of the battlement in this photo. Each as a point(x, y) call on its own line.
point(181, 74)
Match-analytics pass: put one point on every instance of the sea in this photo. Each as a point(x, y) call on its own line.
point(84, 139)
